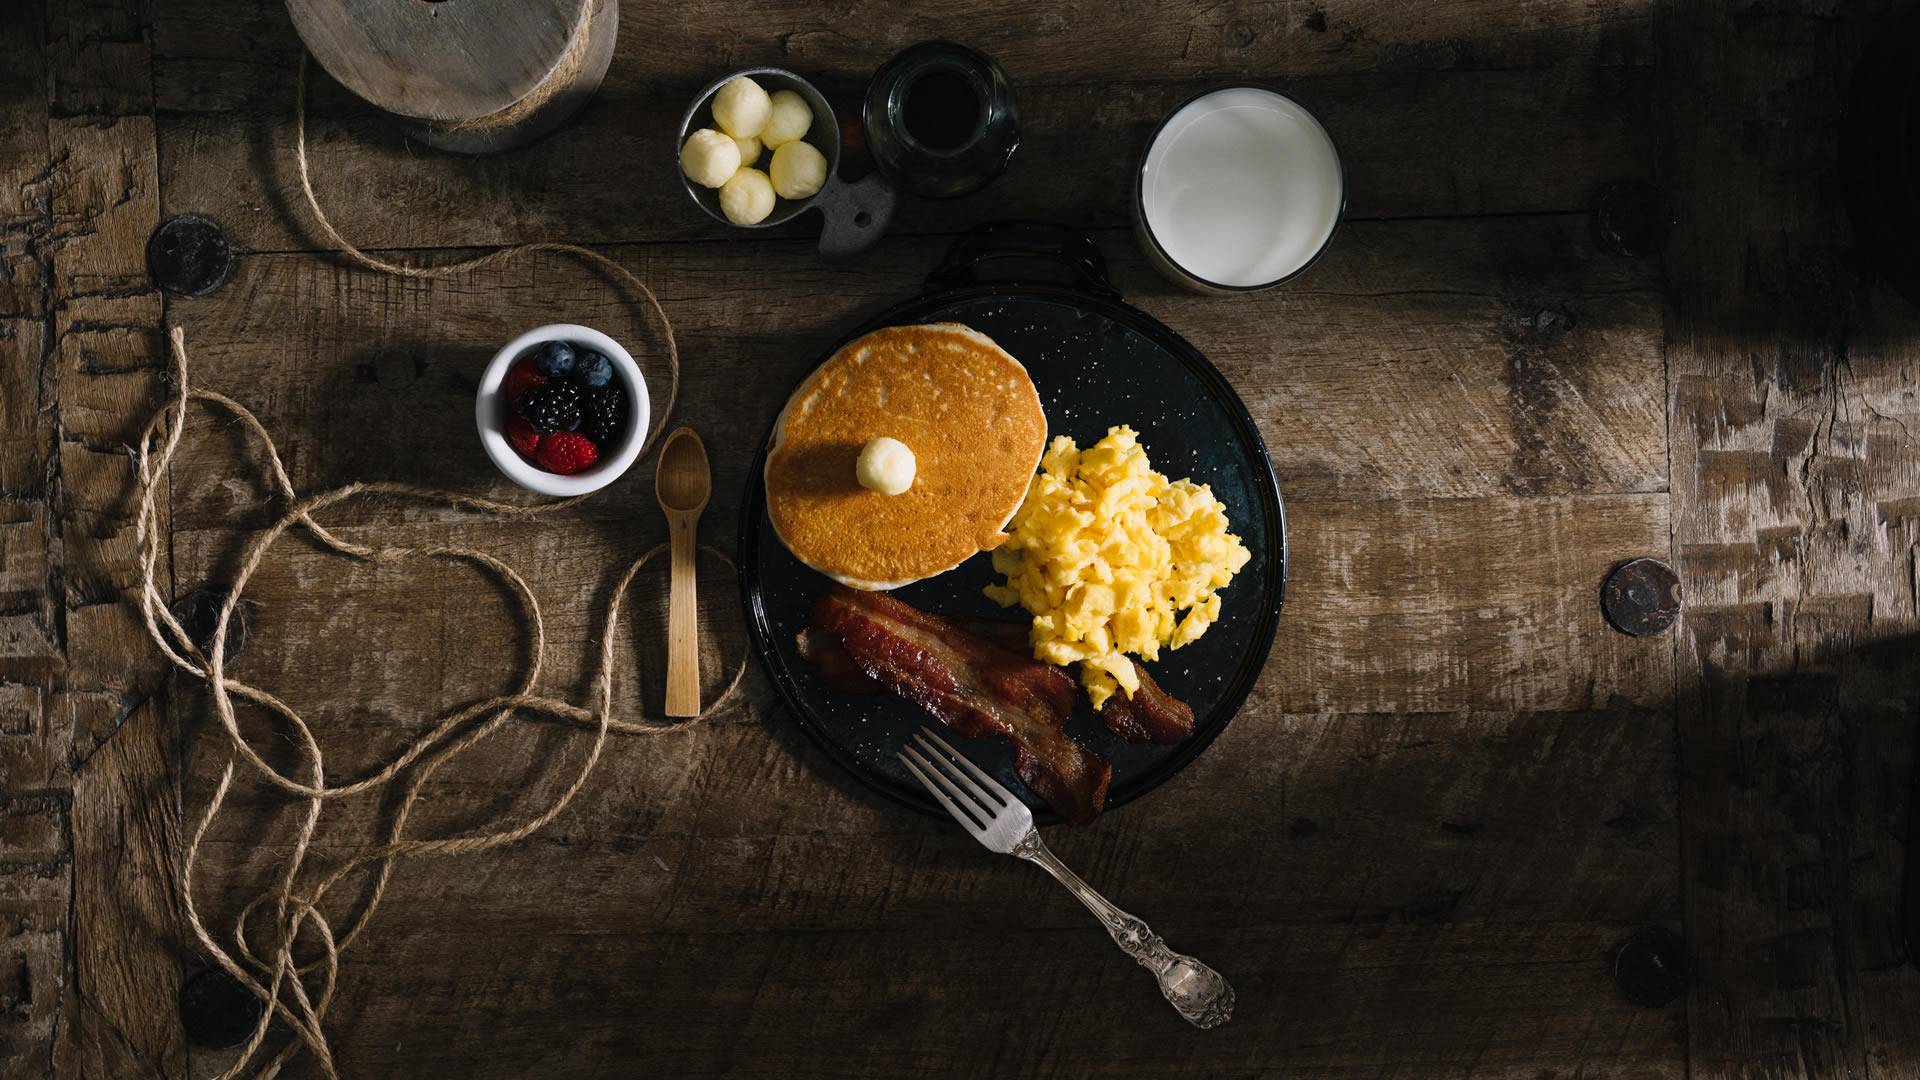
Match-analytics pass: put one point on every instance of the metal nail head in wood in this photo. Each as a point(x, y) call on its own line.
point(188, 255)
point(1641, 597)
point(218, 1012)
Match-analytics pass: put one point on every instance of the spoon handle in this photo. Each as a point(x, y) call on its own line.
point(683, 624)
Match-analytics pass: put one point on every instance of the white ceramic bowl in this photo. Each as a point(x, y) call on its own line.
point(490, 414)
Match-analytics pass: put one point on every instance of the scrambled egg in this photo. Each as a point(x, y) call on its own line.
point(1106, 554)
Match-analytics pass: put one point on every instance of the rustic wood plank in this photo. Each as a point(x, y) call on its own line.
point(768, 893)
point(1508, 357)
point(1794, 473)
point(1466, 604)
point(35, 844)
point(930, 1003)
point(127, 949)
point(104, 736)
point(1432, 606)
point(1414, 143)
point(756, 832)
point(35, 858)
point(27, 431)
point(208, 46)
point(1453, 793)
point(1430, 123)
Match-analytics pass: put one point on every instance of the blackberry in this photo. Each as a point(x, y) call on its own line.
point(550, 408)
point(592, 368)
point(554, 359)
point(606, 414)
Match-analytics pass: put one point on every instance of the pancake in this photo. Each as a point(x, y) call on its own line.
point(966, 409)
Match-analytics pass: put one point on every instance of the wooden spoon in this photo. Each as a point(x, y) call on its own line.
point(682, 481)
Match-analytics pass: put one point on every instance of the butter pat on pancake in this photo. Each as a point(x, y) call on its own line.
point(967, 411)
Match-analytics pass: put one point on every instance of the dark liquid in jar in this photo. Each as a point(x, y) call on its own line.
point(941, 110)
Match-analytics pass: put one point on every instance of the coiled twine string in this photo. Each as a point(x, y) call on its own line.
point(299, 993)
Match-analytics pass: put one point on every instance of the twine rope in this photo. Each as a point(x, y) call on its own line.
point(353, 254)
point(272, 972)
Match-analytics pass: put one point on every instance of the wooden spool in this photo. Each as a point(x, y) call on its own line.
point(472, 76)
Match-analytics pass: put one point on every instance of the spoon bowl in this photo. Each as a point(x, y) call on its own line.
point(683, 481)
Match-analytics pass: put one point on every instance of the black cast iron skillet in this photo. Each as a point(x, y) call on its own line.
point(1097, 362)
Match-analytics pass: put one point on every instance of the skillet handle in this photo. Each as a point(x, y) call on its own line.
point(856, 214)
point(1037, 241)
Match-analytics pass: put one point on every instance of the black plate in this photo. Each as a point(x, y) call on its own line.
point(1097, 363)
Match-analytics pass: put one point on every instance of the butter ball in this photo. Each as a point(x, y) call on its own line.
point(798, 170)
point(885, 466)
point(791, 118)
point(709, 158)
point(742, 108)
point(747, 198)
point(749, 151)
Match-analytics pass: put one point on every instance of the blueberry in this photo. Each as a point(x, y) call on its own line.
point(554, 359)
point(593, 369)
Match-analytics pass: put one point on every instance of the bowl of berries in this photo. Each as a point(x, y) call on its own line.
point(562, 410)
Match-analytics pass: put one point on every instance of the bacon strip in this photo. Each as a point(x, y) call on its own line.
point(1150, 715)
point(974, 687)
point(830, 660)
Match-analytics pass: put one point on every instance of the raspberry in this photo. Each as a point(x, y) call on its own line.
point(520, 378)
point(522, 436)
point(566, 453)
point(553, 407)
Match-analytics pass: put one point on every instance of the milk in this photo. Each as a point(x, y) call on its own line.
point(1240, 188)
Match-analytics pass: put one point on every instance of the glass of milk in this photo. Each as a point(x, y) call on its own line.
point(1239, 189)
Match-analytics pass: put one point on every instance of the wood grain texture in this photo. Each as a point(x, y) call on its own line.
point(683, 622)
point(457, 62)
point(1183, 39)
point(1455, 789)
point(1431, 359)
point(87, 751)
point(1419, 137)
point(1795, 470)
point(35, 844)
point(683, 483)
point(734, 892)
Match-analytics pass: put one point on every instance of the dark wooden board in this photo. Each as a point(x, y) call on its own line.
point(89, 757)
point(1455, 789)
point(1795, 468)
point(740, 889)
point(1506, 356)
point(1414, 144)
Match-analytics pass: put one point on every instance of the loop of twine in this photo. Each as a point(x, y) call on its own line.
point(272, 973)
point(593, 258)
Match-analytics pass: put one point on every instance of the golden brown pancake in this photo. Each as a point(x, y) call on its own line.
point(964, 407)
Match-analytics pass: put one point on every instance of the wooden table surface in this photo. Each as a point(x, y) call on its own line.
point(1456, 789)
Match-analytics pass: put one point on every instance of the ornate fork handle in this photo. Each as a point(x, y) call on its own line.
point(1197, 991)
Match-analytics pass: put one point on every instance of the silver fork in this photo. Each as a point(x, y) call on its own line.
point(1003, 823)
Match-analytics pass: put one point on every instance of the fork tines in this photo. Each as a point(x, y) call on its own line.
point(974, 798)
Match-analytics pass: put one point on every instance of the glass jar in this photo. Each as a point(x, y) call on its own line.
point(941, 120)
